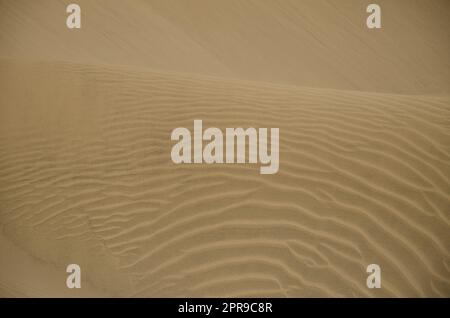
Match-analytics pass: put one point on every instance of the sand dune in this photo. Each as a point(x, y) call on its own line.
point(322, 44)
point(86, 177)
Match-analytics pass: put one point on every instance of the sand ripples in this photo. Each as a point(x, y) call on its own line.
point(364, 178)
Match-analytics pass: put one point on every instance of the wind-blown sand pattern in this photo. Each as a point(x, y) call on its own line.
point(86, 175)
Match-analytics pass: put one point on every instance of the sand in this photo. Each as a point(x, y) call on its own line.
point(86, 175)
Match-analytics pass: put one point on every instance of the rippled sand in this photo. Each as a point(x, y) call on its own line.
point(86, 175)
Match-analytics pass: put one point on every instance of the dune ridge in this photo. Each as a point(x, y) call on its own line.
point(86, 177)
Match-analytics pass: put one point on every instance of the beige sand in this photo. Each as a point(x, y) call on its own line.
point(86, 175)
point(312, 43)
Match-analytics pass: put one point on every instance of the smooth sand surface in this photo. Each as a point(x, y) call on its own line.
point(86, 175)
point(314, 43)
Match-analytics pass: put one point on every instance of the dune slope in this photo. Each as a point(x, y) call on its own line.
point(316, 43)
point(86, 177)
